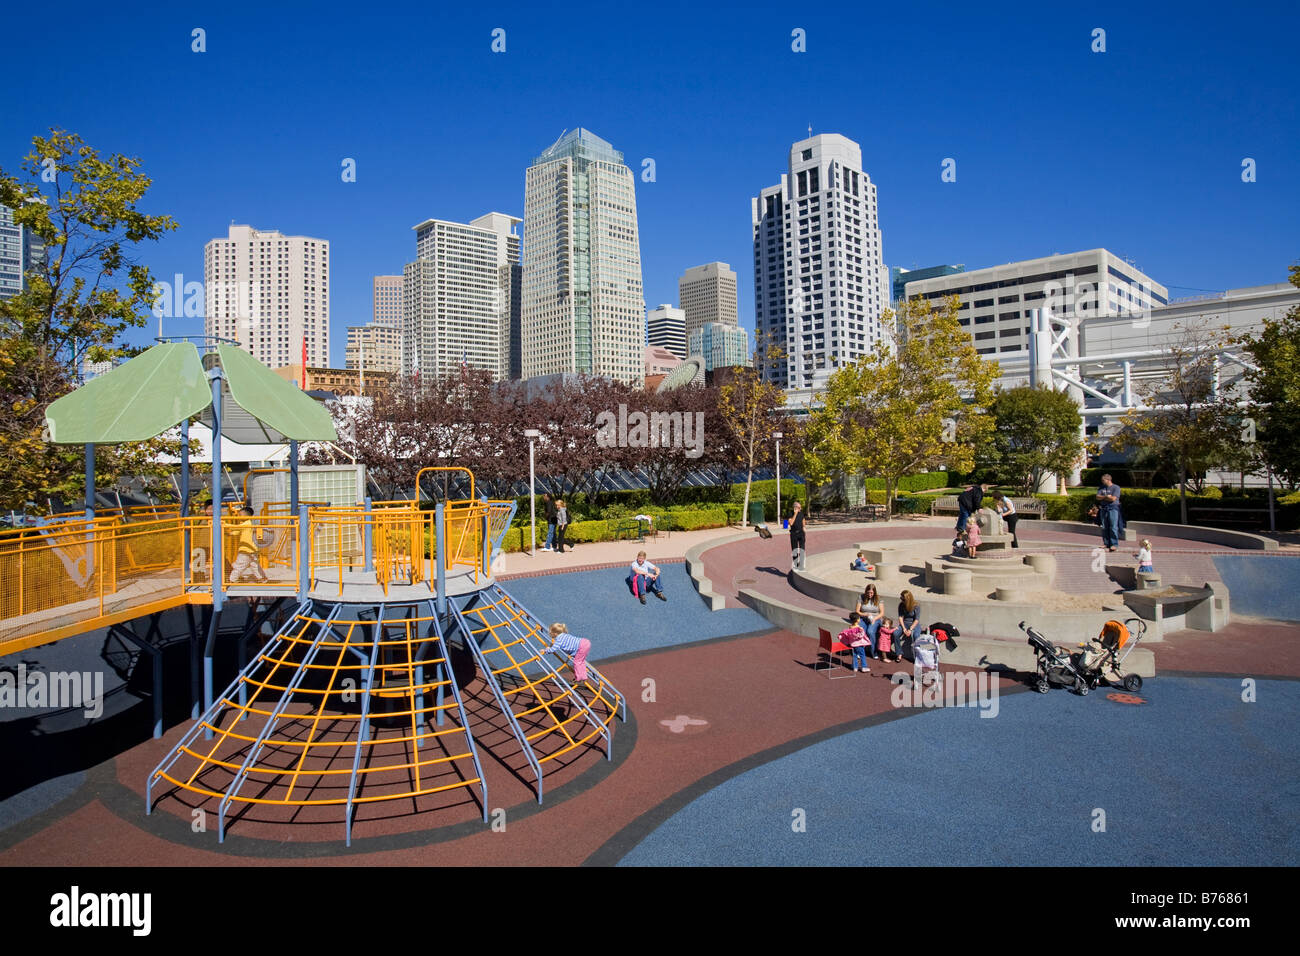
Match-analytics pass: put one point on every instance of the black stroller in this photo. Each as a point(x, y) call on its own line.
point(1055, 666)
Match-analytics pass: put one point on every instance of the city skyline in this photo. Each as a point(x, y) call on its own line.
point(1211, 99)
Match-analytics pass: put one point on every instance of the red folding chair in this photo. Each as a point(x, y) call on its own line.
point(831, 647)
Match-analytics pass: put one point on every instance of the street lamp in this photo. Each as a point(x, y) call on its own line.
point(778, 436)
point(532, 434)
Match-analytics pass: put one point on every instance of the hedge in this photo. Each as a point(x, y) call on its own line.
point(922, 482)
point(518, 537)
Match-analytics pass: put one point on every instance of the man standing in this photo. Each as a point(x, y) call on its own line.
point(968, 503)
point(1108, 512)
point(798, 541)
point(548, 507)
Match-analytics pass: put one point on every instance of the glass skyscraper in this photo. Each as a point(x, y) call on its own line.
point(20, 250)
point(583, 306)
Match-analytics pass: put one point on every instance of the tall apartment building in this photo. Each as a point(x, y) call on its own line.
point(20, 250)
point(583, 307)
point(270, 293)
point(666, 328)
point(720, 345)
point(387, 291)
point(995, 302)
point(460, 301)
point(707, 293)
point(376, 347)
point(820, 282)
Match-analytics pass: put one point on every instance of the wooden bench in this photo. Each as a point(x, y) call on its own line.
point(1030, 506)
point(1254, 517)
point(945, 505)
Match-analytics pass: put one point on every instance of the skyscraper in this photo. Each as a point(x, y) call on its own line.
point(720, 345)
point(666, 328)
point(20, 251)
point(820, 282)
point(707, 293)
point(583, 308)
point(271, 293)
point(458, 299)
point(387, 301)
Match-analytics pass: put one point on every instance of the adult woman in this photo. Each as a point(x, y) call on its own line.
point(909, 620)
point(872, 614)
point(798, 541)
point(1007, 509)
point(561, 523)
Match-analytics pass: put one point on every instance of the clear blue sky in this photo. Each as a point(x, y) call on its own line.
point(1137, 149)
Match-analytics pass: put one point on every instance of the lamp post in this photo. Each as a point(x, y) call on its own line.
point(778, 436)
point(532, 434)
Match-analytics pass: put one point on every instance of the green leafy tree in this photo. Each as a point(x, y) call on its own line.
point(77, 301)
point(918, 402)
point(1184, 417)
point(1275, 390)
point(1036, 433)
point(750, 411)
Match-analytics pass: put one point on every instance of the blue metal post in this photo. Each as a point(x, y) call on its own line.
point(90, 480)
point(439, 564)
point(293, 476)
point(369, 538)
point(185, 470)
point(486, 546)
point(218, 568)
point(304, 554)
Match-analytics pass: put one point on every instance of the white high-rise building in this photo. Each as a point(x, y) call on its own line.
point(820, 282)
point(21, 250)
point(583, 308)
point(666, 328)
point(707, 293)
point(271, 293)
point(458, 299)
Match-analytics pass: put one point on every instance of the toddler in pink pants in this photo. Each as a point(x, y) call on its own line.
point(576, 647)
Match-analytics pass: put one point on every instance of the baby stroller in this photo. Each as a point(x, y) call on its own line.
point(1055, 666)
point(1103, 657)
point(925, 657)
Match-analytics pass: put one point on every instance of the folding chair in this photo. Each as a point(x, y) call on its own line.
point(830, 647)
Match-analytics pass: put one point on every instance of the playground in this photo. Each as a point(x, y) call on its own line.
point(391, 694)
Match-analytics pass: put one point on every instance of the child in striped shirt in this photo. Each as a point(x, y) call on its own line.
point(576, 647)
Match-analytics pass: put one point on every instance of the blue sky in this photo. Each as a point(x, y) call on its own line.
point(1137, 149)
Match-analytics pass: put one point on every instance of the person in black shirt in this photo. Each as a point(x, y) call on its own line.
point(548, 504)
point(798, 541)
point(968, 502)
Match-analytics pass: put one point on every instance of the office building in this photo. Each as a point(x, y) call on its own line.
point(270, 293)
point(20, 251)
point(820, 282)
point(900, 277)
point(995, 302)
point(583, 307)
point(387, 292)
point(707, 293)
point(374, 347)
point(721, 346)
point(666, 327)
point(459, 297)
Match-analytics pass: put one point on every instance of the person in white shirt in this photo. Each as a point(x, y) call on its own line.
point(645, 577)
point(1144, 557)
point(1007, 509)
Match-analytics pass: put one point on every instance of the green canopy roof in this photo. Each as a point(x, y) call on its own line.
point(136, 401)
point(168, 384)
point(265, 409)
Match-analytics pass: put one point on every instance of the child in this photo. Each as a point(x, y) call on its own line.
point(959, 549)
point(885, 640)
point(576, 647)
point(1144, 558)
point(860, 563)
point(973, 539)
point(246, 549)
point(856, 638)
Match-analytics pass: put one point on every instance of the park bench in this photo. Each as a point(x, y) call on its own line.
point(874, 512)
point(628, 528)
point(945, 505)
point(1253, 517)
point(1030, 506)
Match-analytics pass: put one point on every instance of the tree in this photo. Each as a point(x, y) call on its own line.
point(1036, 432)
point(1183, 413)
point(687, 435)
point(77, 300)
point(1275, 390)
point(750, 410)
point(920, 400)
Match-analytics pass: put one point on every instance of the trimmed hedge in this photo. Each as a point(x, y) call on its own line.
point(684, 519)
point(909, 483)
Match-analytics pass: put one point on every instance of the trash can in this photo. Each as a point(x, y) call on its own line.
point(756, 512)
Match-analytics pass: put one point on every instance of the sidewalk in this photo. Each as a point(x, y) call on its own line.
point(586, 555)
